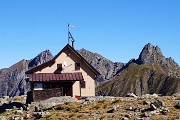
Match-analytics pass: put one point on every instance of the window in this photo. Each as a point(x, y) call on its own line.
point(59, 67)
point(83, 84)
point(38, 86)
point(49, 85)
point(77, 66)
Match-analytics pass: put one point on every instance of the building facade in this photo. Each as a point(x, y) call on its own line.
point(67, 74)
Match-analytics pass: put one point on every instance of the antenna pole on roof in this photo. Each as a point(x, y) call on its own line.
point(70, 35)
point(68, 32)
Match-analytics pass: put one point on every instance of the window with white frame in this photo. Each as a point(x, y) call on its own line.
point(38, 86)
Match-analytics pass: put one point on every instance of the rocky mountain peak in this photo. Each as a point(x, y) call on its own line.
point(150, 73)
point(151, 54)
point(40, 59)
point(12, 81)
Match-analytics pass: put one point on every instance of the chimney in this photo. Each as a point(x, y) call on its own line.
point(72, 43)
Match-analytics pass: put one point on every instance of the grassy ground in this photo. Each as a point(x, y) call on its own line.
point(106, 109)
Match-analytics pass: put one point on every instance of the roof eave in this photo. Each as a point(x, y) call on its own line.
point(92, 68)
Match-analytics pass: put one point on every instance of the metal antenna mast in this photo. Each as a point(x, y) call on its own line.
point(69, 34)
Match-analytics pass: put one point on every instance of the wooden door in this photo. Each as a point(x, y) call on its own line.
point(67, 89)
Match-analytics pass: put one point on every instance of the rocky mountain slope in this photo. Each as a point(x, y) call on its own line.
point(12, 79)
point(40, 59)
point(107, 68)
point(150, 73)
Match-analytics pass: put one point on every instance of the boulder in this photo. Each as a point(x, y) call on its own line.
point(177, 106)
point(147, 102)
point(17, 117)
point(111, 110)
point(4, 100)
point(155, 112)
point(18, 112)
point(147, 114)
point(51, 102)
point(124, 118)
point(153, 107)
point(137, 118)
point(130, 108)
point(176, 94)
point(131, 95)
point(3, 118)
point(165, 111)
point(28, 116)
point(128, 116)
point(146, 96)
point(155, 95)
point(36, 109)
point(39, 115)
point(115, 107)
point(157, 104)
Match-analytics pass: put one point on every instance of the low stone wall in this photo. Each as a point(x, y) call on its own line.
point(47, 93)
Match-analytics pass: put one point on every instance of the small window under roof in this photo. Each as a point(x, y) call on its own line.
point(77, 66)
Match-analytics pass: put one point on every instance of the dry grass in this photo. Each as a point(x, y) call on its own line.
point(99, 109)
point(19, 98)
point(125, 107)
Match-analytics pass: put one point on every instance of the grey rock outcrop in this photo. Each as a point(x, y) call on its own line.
point(152, 54)
point(12, 79)
point(107, 68)
point(40, 59)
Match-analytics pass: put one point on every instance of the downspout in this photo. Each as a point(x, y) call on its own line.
point(80, 87)
point(32, 92)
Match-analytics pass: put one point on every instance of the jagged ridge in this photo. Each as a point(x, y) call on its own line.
point(40, 59)
point(107, 68)
point(150, 73)
point(12, 79)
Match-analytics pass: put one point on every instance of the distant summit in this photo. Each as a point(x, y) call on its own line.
point(150, 73)
point(40, 59)
point(12, 79)
point(151, 54)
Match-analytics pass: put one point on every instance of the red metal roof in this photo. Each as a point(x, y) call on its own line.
point(55, 77)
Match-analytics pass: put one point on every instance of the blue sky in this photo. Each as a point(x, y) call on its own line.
point(116, 29)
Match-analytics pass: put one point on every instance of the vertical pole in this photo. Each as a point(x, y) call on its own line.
point(32, 92)
point(68, 33)
point(72, 43)
point(80, 87)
